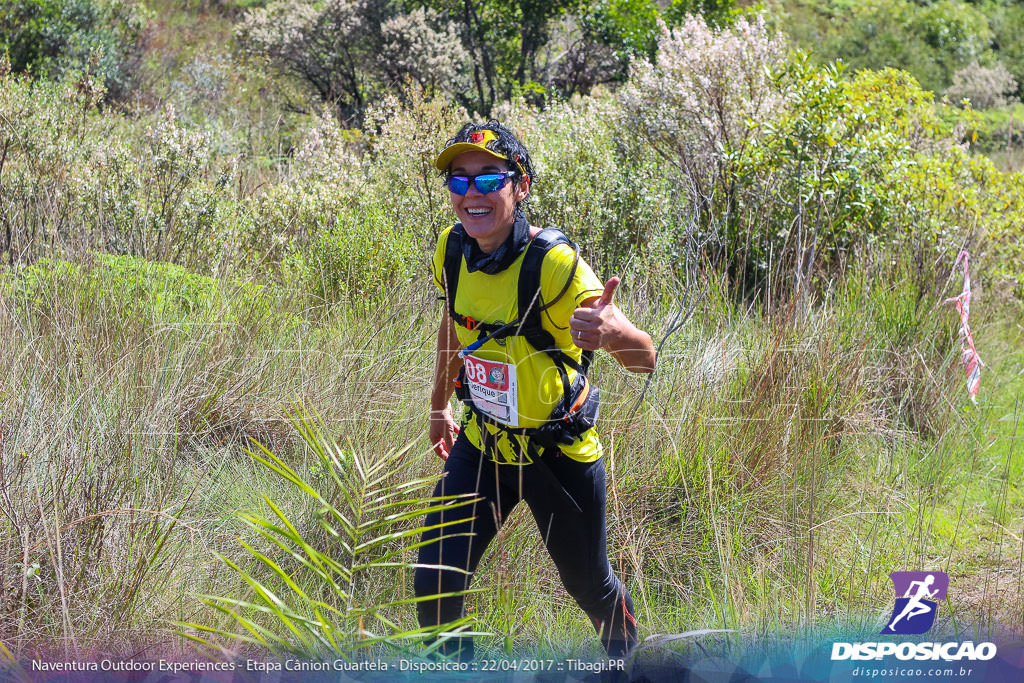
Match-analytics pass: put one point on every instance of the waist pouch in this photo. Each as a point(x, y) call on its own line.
point(562, 427)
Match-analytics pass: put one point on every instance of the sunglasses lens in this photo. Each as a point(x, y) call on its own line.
point(489, 183)
point(459, 184)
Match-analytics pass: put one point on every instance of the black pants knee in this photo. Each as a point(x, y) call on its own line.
point(567, 499)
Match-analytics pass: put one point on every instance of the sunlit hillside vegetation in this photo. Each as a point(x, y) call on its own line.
point(217, 321)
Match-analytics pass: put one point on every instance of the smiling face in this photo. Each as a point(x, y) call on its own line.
point(487, 218)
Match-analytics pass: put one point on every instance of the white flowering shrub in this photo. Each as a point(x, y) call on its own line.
point(986, 87)
point(76, 180)
point(707, 94)
point(324, 177)
point(163, 198)
point(413, 50)
point(48, 135)
point(405, 134)
point(360, 208)
point(602, 188)
point(328, 152)
point(323, 43)
point(348, 50)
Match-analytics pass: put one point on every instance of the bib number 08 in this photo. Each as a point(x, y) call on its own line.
point(492, 386)
point(476, 372)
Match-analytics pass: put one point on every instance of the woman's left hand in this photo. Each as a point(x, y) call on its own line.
point(599, 324)
point(598, 321)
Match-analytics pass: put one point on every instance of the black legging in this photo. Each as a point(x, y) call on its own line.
point(571, 521)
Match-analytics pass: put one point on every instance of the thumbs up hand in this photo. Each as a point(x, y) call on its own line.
point(597, 321)
point(609, 291)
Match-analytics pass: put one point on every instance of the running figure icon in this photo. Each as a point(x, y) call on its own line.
point(915, 606)
point(918, 605)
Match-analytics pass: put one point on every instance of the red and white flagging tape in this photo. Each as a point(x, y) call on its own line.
point(968, 354)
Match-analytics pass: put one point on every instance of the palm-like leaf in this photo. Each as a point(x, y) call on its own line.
point(316, 595)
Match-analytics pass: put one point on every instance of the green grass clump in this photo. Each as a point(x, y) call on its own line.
point(130, 287)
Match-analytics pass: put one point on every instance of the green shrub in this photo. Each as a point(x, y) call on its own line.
point(132, 288)
point(53, 37)
point(364, 208)
point(1006, 18)
point(947, 202)
point(362, 256)
point(823, 160)
point(605, 191)
point(814, 164)
point(930, 40)
point(76, 179)
point(344, 51)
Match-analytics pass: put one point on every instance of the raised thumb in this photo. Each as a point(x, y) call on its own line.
point(609, 291)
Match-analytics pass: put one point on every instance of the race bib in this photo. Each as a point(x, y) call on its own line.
point(492, 386)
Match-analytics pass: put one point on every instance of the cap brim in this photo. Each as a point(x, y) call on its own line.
point(444, 159)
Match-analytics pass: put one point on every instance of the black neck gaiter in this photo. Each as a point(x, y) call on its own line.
point(502, 257)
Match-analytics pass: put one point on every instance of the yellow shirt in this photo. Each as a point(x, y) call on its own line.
point(494, 299)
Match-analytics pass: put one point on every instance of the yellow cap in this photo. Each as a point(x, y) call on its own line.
point(479, 141)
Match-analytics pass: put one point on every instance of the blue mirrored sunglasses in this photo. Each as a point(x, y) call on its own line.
point(485, 183)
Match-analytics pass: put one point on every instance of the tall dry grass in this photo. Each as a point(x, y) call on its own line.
point(122, 430)
point(776, 469)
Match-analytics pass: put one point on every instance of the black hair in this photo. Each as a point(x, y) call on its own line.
point(507, 145)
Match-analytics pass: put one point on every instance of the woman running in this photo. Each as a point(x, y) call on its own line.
point(523, 315)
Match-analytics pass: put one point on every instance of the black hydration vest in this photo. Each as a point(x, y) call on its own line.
point(580, 404)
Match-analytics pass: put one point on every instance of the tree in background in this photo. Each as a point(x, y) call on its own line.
point(705, 98)
point(348, 51)
point(1006, 19)
point(412, 50)
point(985, 87)
point(930, 40)
point(612, 33)
point(51, 37)
point(482, 52)
point(505, 40)
point(562, 47)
